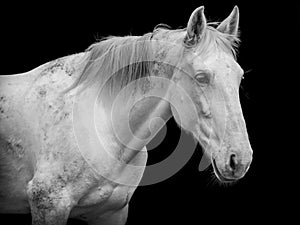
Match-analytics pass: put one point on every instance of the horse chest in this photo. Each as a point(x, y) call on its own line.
point(96, 196)
point(111, 195)
point(102, 199)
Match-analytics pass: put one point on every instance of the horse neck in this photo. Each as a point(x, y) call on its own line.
point(132, 119)
point(133, 114)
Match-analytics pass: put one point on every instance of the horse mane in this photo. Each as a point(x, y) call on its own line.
point(117, 61)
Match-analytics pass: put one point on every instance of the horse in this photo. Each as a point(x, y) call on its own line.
point(73, 131)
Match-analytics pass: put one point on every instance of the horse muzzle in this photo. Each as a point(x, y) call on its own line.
point(233, 169)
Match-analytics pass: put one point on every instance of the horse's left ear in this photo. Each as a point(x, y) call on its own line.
point(231, 24)
point(195, 27)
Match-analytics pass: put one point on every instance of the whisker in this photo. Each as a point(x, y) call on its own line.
point(247, 71)
point(244, 92)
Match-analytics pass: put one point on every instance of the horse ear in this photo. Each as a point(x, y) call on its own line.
point(231, 24)
point(195, 27)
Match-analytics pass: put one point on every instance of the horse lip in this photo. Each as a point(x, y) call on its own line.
point(218, 174)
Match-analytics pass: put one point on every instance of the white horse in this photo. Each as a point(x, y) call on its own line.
point(73, 131)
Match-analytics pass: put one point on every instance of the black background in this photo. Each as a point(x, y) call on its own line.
point(35, 34)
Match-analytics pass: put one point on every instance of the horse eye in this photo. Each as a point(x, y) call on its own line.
point(202, 78)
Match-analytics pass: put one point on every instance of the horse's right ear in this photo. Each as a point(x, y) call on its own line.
point(195, 27)
point(231, 24)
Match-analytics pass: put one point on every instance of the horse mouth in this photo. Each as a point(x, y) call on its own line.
point(218, 173)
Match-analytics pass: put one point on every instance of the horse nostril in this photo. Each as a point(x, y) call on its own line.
point(232, 162)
